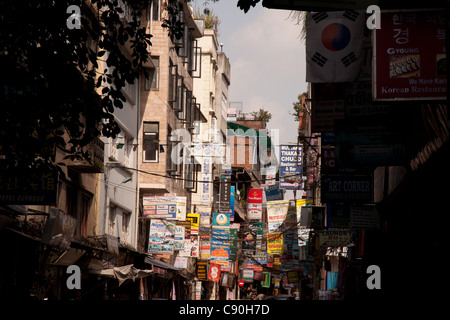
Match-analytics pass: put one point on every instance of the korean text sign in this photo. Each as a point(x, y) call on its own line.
point(410, 60)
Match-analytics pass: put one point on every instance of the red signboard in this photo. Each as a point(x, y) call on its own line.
point(214, 272)
point(410, 61)
point(255, 196)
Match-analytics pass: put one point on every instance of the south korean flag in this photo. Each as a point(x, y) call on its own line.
point(334, 45)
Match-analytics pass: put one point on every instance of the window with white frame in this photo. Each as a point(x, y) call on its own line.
point(151, 142)
point(156, 10)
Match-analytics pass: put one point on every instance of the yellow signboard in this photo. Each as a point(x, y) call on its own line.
point(275, 243)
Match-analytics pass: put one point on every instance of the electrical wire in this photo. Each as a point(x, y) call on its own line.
point(191, 180)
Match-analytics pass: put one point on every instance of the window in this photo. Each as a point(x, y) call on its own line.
point(173, 69)
point(125, 236)
point(151, 141)
point(112, 220)
point(190, 175)
point(155, 10)
point(152, 82)
point(171, 167)
point(178, 104)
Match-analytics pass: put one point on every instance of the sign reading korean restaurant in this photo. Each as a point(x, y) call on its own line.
point(410, 61)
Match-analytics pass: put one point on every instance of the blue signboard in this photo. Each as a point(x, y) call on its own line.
point(291, 165)
point(273, 192)
point(232, 195)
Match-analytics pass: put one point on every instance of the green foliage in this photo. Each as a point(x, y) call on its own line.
point(261, 114)
point(50, 74)
point(211, 20)
point(297, 106)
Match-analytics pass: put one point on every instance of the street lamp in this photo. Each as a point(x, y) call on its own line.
point(124, 181)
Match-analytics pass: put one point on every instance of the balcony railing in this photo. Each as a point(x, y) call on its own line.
point(95, 162)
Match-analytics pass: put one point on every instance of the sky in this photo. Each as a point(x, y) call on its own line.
point(267, 61)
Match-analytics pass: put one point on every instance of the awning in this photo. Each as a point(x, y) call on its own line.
point(160, 264)
point(236, 126)
point(124, 273)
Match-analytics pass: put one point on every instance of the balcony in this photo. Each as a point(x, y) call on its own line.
point(95, 161)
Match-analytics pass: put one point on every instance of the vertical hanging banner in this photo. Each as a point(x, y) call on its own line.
point(181, 208)
point(234, 229)
point(334, 43)
point(195, 222)
point(224, 190)
point(220, 246)
point(204, 223)
point(220, 242)
point(266, 282)
point(410, 59)
point(232, 198)
point(254, 201)
point(179, 237)
point(214, 272)
point(291, 166)
point(202, 270)
point(276, 214)
point(205, 185)
point(304, 215)
point(204, 243)
point(198, 290)
point(275, 243)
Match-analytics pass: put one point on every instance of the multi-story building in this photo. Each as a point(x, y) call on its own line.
point(211, 90)
point(169, 109)
point(119, 189)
